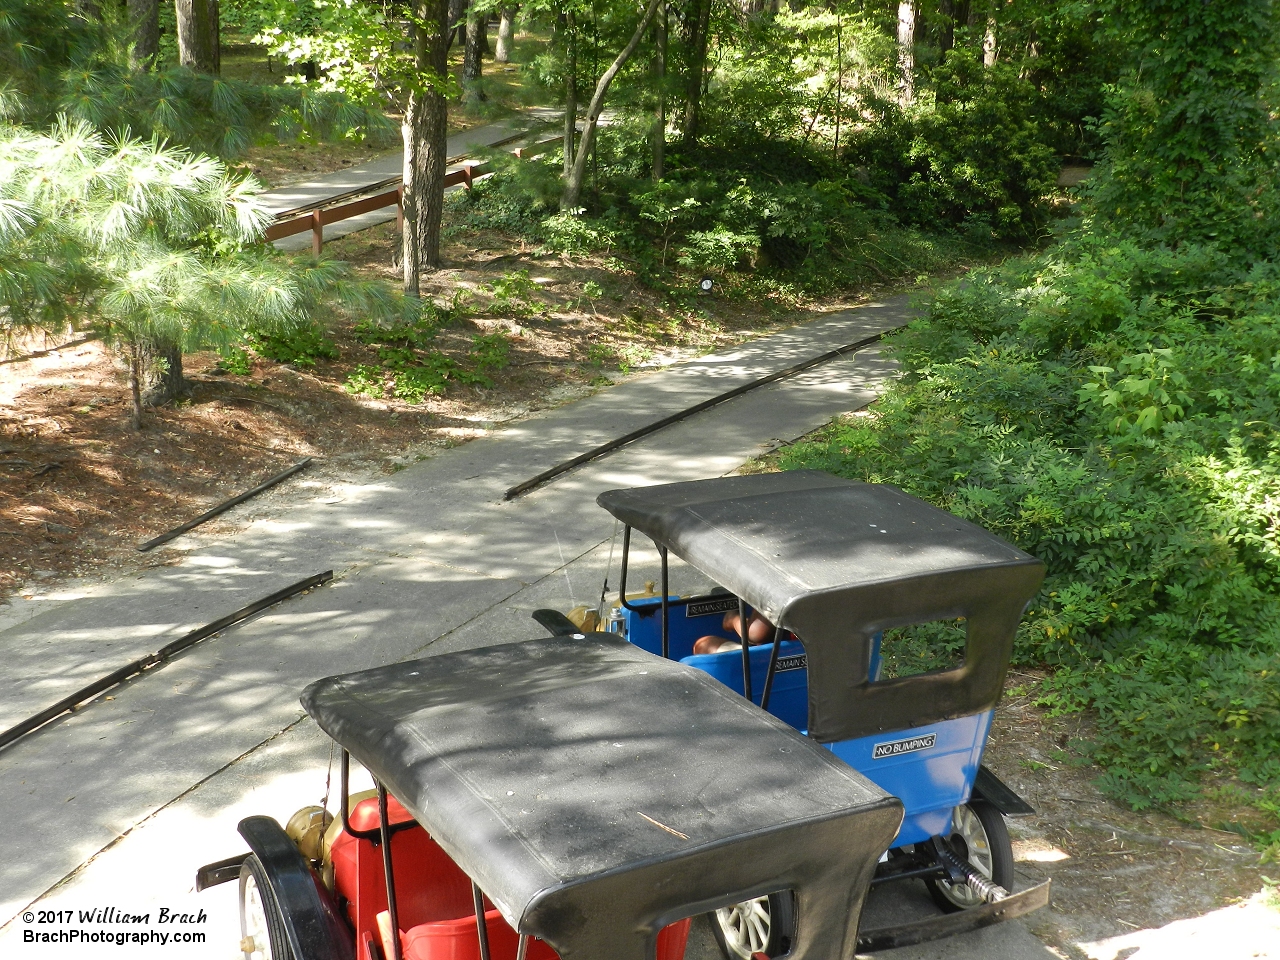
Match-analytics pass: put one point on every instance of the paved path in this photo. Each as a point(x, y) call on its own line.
point(312, 193)
point(118, 803)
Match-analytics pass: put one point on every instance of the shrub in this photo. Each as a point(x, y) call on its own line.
point(1109, 412)
point(976, 158)
point(301, 347)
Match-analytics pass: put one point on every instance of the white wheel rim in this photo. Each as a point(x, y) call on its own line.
point(966, 825)
point(746, 926)
point(253, 922)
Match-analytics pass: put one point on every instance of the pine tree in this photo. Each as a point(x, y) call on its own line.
point(152, 248)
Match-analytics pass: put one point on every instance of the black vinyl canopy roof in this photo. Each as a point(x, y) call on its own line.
point(596, 792)
point(836, 562)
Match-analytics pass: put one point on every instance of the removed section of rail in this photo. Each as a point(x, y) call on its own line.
point(223, 507)
point(167, 652)
point(385, 193)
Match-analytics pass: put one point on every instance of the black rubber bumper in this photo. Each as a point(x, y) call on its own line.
point(949, 924)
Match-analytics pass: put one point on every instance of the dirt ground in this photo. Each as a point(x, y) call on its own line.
point(1113, 870)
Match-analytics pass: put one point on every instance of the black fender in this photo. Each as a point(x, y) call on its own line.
point(987, 786)
point(316, 930)
point(556, 622)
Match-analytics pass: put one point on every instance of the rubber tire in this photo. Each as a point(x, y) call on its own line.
point(997, 834)
point(782, 927)
point(278, 939)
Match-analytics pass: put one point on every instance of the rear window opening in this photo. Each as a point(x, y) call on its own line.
point(922, 648)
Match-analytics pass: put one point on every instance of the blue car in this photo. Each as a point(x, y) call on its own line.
point(830, 565)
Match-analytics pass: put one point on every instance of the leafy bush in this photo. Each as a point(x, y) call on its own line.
point(410, 368)
point(976, 158)
point(301, 347)
point(236, 361)
point(490, 351)
point(514, 293)
point(1112, 413)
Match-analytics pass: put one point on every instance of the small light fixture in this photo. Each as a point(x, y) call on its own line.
point(705, 284)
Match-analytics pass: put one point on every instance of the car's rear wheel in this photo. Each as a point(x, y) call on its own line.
point(262, 933)
point(763, 925)
point(978, 834)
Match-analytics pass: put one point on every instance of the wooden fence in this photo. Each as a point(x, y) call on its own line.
point(375, 196)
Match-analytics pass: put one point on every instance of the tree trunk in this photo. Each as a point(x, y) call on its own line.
point(161, 363)
point(568, 27)
point(135, 386)
point(506, 35)
point(660, 73)
point(88, 10)
point(947, 27)
point(144, 20)
point(425, 131)
point(700, 28)
point(573, 184)
point(198, 35)
point(457, 21)
point(989, 42)
point(906, 52)
point(471, 63)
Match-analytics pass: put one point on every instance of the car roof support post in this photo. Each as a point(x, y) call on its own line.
point(482, 928)
point(384, 827)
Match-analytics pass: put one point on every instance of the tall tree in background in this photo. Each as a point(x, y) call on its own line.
point(572, 195)
point(566, 26)
point(659, 135)
point(472, 51)
point(198, 41)
point(144, 24)
point(906, 52)
point(506, 34)
point(426, 130)
point(697, 31)
point(989, 47)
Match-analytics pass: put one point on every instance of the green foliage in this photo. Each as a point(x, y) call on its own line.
point(782, 210)
point(977, 158)
point(146, 244)
point(301, 347)
point(514, 293)
point(356, 49)
point(367, 381)
point(490, 351)
point(1191, 136)
point(411, 368)
point(54, 63)
point(235, 360)
point(1131, 444)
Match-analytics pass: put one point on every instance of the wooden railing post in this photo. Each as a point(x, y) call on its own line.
point(317, 232)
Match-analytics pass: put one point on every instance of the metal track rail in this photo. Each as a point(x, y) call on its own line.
point(223, 507)
point(165, 653)
point(565, 466)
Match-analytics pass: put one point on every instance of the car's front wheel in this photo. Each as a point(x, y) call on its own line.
point(262, 933)
point(763, 925)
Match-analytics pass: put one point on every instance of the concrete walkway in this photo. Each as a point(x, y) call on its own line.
point(118, 803)
point(320, 190)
